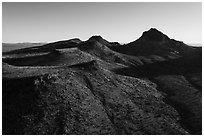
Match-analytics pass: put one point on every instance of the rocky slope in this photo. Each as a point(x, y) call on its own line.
point(150, 86)
point(84, 99)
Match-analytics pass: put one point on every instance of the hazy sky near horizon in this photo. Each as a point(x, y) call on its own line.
point(122, 22)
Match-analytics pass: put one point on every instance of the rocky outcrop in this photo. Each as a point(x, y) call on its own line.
point(85, 99)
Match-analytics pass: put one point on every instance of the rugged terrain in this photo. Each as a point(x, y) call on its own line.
point(149, 86)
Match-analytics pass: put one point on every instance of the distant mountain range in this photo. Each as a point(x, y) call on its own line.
point(152, 85)
point(13, 46)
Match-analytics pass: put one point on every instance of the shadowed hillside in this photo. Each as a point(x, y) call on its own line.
point(154, 42)
point(85, 99)
point(150, 86)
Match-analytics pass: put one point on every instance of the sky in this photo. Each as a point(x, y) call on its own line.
point(122, 22)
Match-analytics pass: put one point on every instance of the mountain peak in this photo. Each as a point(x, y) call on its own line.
point(153, 35)
point(76, 40)
point(153, 29)
point(96, 37)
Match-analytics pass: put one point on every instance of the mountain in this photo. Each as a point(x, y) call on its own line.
point(152, 85)
point(154, 42)
point(83, 99)
point(46, 47)
point(6, 47)
point(62, 52)
point(99, 47)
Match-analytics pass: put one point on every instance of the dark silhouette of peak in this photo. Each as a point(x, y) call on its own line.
point(153, 35)
point(77, 40)
point(153, 31)
point(96, 37)
point(154, 42)
point(99, 39)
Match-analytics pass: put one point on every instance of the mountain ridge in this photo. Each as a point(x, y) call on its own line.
point(152, 85)
point(145, 35)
